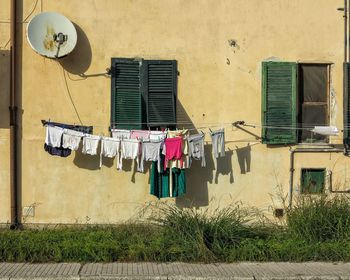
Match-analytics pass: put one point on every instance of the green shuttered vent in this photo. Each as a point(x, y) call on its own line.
point(279, 102)
point(126, 94)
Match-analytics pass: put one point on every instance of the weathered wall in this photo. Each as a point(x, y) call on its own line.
point(218, 84)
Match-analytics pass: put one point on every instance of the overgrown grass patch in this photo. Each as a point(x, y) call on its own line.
point(317, 229)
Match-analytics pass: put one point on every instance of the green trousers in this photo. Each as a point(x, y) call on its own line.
point(160, 182)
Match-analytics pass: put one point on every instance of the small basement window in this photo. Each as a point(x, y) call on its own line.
point(313, 180)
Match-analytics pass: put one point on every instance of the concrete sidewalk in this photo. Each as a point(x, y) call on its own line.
point(178, 271)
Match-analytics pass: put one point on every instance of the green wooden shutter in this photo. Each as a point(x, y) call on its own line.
point(346, 107)
point(160, 85)
point(126, 94)
point(279, 83)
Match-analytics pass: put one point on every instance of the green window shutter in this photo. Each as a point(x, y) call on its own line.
point(312, 181)
point(346, 106)
point(279, 83)
point(160, 90)
point(126, 101)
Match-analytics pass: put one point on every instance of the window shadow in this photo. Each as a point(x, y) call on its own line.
point(79, 60)
point(244, 158)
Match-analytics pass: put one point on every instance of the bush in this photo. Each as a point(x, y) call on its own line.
point(320, 218)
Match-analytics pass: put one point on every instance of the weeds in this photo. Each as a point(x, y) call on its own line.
point(317, 229)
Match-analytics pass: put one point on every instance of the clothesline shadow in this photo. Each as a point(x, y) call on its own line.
point(224, 167)
point(244, 158)
point(92, 162)
point(197, 180)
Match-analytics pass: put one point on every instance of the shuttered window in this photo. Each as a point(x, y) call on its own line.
point(143, 93)
point(161, 92)
point(346, 106)
point(126, 94)
point(279, 102)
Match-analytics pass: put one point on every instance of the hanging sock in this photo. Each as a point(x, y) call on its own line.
point(90, 144)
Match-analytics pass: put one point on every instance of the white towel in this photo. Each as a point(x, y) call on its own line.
point(53, 136)
point(90, 144)
point(71, 139)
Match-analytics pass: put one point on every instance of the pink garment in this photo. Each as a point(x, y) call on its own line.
point(172, 150)
point(140, 134)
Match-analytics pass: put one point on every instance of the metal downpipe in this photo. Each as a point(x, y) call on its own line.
point(13, 121)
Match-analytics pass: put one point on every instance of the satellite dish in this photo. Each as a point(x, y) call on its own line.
point(51, 34)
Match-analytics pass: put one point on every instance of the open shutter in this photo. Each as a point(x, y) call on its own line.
point(126, 94)
point(160, 88)
point(279, 81)
point(346, 107)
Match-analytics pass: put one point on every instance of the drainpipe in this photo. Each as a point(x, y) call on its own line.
point(346, 30)
point(291, 170)
point(13, 121)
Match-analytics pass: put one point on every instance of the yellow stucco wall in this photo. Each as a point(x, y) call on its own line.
point(218, 84)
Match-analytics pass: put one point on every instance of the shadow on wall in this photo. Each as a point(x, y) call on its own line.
point(5, 63)
point(79, 60)
point(244, 158)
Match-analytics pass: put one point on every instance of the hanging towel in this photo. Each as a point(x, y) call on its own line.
point(90, 144)
point(196, 147)
point(120, 134)
point(150, 152)
point(184, 162)
point(218, 142)
point(71, 139)
point(53, 136)
point(157, 135)
point(109, 148)
point(129, 149)
point(172, 150)
point(140, 134)
point(326, 130)
point(60, 151)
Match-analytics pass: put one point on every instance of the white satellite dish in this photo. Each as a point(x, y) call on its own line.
point(51, 34)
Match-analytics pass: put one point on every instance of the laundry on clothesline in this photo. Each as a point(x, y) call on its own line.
point(54, 137)
point(170, 151)
point(196, 148)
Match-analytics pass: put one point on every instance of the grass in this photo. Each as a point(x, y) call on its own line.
point(317, 229)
